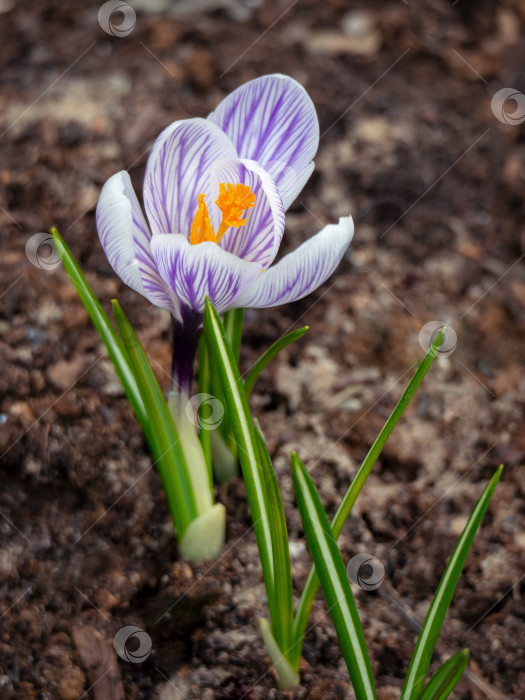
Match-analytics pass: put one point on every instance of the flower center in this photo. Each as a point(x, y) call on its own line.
point(232, 201)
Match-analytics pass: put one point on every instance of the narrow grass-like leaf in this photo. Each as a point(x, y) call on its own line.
point(281, 609)
point(334, 581)
point(205, 388)
point(312, 583)
point(268, 356)
point(170, 457)
point(446, 677)
point(237, 405)
point(233, 323)
point(225, 426)
point(429, 634)
point(105, 328)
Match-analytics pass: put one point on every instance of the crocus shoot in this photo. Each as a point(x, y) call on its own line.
point(215, 195)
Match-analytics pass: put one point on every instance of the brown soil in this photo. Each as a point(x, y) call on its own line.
point(435, 182)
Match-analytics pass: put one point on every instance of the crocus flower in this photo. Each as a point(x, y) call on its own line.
point(215, 194)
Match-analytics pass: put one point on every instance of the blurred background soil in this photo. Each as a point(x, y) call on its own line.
point(435, 181)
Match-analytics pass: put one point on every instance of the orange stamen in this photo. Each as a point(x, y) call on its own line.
point(201, 228)
point(232, 201)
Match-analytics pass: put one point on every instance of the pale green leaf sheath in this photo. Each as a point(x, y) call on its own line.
point(205, 534)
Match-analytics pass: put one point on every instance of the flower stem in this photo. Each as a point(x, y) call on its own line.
point(185, 339)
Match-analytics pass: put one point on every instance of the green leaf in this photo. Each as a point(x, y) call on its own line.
point(312, 583)
point(183, 489)
point(429, 634)
point(167, 445)
point(243, 429)
point(334, 581)
point(268, 356)
point(233, 322)
point(281, 608)
point(108, 334)
point(446, 677)
point(205, 388)
point(225, 428)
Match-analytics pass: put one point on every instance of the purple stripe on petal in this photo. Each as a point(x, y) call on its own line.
point(196, 271)
point(259, 239)
point(178, 171)
point(125, 237)
point(302, 271)
point(273, 121)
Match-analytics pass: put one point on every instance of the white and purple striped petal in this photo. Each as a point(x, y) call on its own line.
point(272, 120)
point(259, 239)
point(125, 237)
point(196, 271)
point(178, 170)
point(302, 271)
